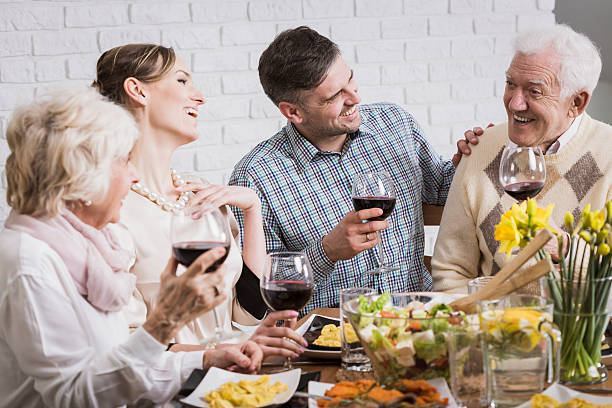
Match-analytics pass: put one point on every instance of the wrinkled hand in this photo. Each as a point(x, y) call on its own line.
point(245, 357)
point(217, 195)
point(351, 236)
point(471, 137)
point(275, 340)
point(183, 298)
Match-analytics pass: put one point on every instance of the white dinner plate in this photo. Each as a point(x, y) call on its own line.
point(216, 377)
point(564, 394)
point(319, 388)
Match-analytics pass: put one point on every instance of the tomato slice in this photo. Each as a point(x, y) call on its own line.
point(385, 313)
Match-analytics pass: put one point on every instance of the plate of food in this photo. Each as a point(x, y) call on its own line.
point(559, 396)
point(323, 336)
point(409, 393)
point(226, 388)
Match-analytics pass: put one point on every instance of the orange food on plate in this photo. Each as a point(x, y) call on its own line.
point(382, 395)
point(368, 390)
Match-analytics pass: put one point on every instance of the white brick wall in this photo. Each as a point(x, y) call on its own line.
point(443, 60)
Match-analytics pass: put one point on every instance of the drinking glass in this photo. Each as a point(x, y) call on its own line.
point(520, 347)
point(467, 377)
point(474, 285)
point(375, 190)
point(522, 171)
point(193, 231)
point(354, 357)
point(286, 283)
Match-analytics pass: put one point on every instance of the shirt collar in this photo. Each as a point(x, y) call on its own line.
point(562, 140)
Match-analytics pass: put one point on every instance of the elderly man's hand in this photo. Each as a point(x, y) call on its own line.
point(463, 148)
point(183, 298)
point(275, 340)
point(245, 357)
point(351, 236)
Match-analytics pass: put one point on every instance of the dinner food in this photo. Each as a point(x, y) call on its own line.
point(368, 393)
point(245, 393)
point(545, 401)
point(330, 336)
point(407, 341)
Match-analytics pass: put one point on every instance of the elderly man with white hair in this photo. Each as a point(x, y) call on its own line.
point(549, 84)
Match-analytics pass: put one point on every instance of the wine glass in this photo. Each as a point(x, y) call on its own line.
point(286, 283)
point(375, 190)
point(193, 231)
point(522, 171)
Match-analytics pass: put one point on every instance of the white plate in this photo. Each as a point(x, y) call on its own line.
point(319, 388)
point(326, 354)
point(216, 377)
point(564, 394)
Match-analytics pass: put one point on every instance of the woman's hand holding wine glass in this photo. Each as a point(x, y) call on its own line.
point(522, 171)
point(195, 230)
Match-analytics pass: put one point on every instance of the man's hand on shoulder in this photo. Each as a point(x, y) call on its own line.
point(463, 145)
point(351, 236)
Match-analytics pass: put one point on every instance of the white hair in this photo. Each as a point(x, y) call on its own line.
point(63, 146)
point(579, 58)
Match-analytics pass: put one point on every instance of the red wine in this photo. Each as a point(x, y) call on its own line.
point(287, 295)
point(524, 189)
point(188, 251)
point(387, 204)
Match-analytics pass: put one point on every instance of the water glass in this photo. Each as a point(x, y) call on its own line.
point(474, 285)
point(467, 376)
point(520, 348)
point(354, 356)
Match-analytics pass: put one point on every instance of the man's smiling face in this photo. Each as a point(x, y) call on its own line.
point(537, 114)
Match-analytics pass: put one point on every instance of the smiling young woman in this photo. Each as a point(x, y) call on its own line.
point(157, 88)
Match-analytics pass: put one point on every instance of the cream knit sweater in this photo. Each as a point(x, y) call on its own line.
point(579, 174)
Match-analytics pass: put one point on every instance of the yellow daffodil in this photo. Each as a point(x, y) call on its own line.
point(540, 220)
point(598, 219)
point(507, 234)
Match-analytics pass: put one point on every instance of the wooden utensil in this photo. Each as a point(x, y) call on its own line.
point(495, 286)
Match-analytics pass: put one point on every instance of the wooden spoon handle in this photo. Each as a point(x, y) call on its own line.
point(491, 288)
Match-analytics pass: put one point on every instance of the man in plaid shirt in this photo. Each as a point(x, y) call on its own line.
point(303, 174)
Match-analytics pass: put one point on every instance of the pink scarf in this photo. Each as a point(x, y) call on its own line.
point(98, 266)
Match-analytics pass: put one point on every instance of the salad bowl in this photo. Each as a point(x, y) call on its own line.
point(404, 334)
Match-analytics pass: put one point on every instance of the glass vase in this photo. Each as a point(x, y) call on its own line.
point(582, 312)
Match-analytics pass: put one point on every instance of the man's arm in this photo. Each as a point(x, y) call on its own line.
point(437, 172)
point(456, 254)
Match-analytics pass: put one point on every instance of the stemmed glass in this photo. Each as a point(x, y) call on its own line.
point(286, 283)
point(375, 190)
point(522, 171)
point(193, 231)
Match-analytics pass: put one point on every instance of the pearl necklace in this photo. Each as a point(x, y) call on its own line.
point(158, 199)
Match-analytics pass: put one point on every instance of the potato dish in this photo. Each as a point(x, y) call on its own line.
point(245, 393)
point(330, 336)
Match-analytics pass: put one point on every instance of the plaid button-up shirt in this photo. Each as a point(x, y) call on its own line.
point(305, 192)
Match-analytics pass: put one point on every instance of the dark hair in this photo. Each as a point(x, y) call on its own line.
point(141, 61)
point(298, 59)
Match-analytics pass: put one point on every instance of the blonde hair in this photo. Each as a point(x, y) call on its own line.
point(145, 62)
point(62, 149)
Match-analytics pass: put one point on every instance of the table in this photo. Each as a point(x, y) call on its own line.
point(328, 372)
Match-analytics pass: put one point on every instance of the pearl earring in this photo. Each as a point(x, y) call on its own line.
point(87, 203)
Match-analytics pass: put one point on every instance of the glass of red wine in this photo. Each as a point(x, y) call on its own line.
point(193, 231)
point(375, 190)
point(286, 283)
point(522, 171)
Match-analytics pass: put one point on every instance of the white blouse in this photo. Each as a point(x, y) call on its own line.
point(145, 228)
point(57, 350)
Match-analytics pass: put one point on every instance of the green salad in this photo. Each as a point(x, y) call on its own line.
point(406, 342)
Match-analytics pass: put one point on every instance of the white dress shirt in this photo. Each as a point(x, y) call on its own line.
point(57, 350)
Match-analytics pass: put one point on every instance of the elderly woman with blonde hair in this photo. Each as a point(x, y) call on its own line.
point(64, 280)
